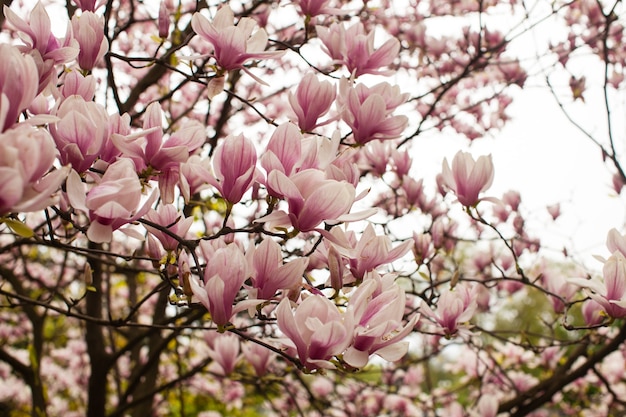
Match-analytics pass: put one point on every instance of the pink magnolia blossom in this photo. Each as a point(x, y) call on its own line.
point(224, 275)
point(234, 164)
point(615, 241)
point(155, 156)
point(171, 219)
point(81, 133)
point(270, 274)
point(225, 352)
point(311, 101)
point(377, 307)
point(18, 84)
point(37, 34)
point(113, 202)
point(75, 83)
point(26, 156)
point(194, 174)
point(89, 5)
point(372, 251)
point(368, 111)
point(354, 48)
point(454, 309)
point(468, 178)
point(610, 290)
point(592, 312)
point(88, 30)
point(233, 45)
point(312, 8)
point(163, 21)
point(258, 356)
point(311, 197)
point(284, 150)
point(317, 329)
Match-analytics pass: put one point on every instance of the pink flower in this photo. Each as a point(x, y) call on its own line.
point(355, 49)
point(81, 133)
point(468, 178)
point(373, 251)
point(113, 202)
point(610, 290)
point(154, 156)
point(377, 307)
point(163, 20)
point(454, 309)
point(312, 8)
point(88, 29)
point(225, 353)
point(615, 241)
point(26, 156)
point(224, 275)
point(258, 356)
point(284, 150)
point(18, 84)
point(592, 312)
point(169, 218)
point(89, 5)
point(270, 274)
point(75, 83)
point(38, 36)
point(311, 197)
point(311, 101)
point(234, 164)
point(368, 111)
point(233, 45)
point(317, 330)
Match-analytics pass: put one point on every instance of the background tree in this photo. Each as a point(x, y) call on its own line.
point(212, 209)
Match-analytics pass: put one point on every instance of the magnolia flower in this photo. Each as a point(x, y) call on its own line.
point(81, 133)
point(88, 29)
point(26, 156)
point(152, 154)
point(368, 111)
point(270, 274)
point(312, 8)
point(355, 49)
point(610, 290)
point(75, 83)
point(316, 328)
point(284, 150)
point(258, 356)
point(468, 178)
point(377, 308)
point(234, 163)
point(454, 309)
point(18, 84)
point(311, 101)
point(113, 202)
point(225, 352)
point(373, 251)
point(233, 45)
point(615, 241)
point(311, 197)
point(224, 275)
point(38, 36)
point(171, 219)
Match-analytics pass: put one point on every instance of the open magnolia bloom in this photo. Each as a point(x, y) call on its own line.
point(233, 45)
point(113, 202)
point(609, 290)
point(468, 178)
point(312, 199)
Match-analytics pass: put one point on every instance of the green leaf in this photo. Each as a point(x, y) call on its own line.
point(19, 228)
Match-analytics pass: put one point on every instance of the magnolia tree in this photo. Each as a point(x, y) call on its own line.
point(212, 209)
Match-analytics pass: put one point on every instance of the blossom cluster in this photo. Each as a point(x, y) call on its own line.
point(209, 212)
